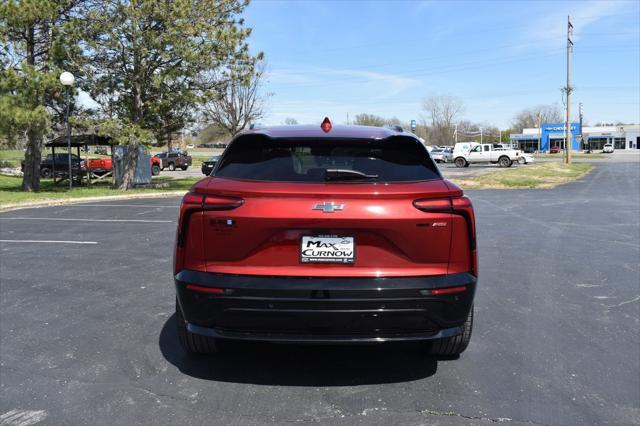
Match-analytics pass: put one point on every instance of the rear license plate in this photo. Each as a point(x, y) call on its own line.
point(327, 249)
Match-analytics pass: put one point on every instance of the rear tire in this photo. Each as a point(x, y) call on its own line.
point(172, 166)
point(45, 173)
point(505, 161)
point(191, 342)
point(155, 170)
point(453, 346)
point(460, 162)
point(184, 168)
point(521, 160)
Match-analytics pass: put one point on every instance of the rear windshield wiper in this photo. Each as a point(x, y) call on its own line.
point(337, 174)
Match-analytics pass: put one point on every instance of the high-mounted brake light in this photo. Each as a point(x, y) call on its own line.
point(326, 125)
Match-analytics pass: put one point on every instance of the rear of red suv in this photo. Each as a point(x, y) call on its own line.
point(325, 235)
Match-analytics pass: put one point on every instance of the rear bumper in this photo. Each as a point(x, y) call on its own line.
point(323, 310)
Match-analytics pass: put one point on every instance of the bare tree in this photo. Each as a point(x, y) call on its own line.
point(533, 117)
point(365, 119)
point(443, 111)
point(238, 102)
point(289, 121)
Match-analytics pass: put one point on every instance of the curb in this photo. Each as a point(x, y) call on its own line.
point(64, 201)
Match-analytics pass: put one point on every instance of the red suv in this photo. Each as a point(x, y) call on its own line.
point(325, 235)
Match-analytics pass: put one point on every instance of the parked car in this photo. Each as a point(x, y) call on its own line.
point(209, 164)
point(526, 159)
point(554, 150)
point(325, 235)
point(441, 155)
point(174, 160)
point(100, 165)
point(608, 148)
point(61, 164)
point(220, 145)
point(484, 153)
point(191, 146)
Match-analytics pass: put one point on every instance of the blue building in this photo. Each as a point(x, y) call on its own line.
point(624, 136)
point(548, 136)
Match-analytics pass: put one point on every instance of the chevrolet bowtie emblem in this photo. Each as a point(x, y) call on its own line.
point(328, 207)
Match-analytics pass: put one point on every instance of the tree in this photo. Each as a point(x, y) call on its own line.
point(148, 59)
point(38, 40)
point(290, 121)
point(212, 133)
point(533, 117)
point(239, 101)
point(369, 120)
point(442, 111)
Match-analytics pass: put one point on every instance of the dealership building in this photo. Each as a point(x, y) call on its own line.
point(552, 135)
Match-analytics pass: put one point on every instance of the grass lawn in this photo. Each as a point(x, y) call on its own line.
point(11, 157)
point(11, 194)
point(196, 160)
point(558, 157)
point(541, 175)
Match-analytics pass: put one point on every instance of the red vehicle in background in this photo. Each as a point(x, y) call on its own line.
point(554, 150)
point(322, 234)
point(105, 164)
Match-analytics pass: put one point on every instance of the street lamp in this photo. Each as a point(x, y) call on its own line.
point(67, 79)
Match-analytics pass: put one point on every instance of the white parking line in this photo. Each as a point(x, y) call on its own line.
point(86, 220)
point(48, 241)
point(22, 417)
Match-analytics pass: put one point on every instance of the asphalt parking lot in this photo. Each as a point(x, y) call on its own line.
point(87, 331)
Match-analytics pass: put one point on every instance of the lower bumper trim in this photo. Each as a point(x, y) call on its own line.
point(321, 338)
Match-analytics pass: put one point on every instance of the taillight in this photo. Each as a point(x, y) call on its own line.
point(459, 206)
point(192, 199)
point(215, 202)
point(192, 203)
point(436, 205)
point(463, 207)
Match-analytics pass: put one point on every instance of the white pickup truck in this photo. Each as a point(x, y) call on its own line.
point(471, 153)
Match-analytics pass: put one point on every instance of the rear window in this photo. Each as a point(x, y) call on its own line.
point(395, 159)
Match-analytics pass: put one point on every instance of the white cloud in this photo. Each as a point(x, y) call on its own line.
point(336, 93)
point(550, 29)
point(384, 85)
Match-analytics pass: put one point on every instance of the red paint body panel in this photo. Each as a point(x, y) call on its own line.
point(393, 238)
point(261, 234)
point(106, 163)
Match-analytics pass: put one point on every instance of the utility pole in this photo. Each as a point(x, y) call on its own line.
point(581, 132)
point(539, 131)
point(455, 132)
point(568, 89)
point(481, 135)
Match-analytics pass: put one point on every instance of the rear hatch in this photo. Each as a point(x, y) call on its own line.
point(342, 208)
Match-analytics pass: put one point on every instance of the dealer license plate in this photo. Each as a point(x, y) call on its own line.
point(327, 249)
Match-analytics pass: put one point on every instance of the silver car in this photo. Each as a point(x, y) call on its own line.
point(442, 155)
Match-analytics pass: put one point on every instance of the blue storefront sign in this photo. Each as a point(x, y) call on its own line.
point(557, 131)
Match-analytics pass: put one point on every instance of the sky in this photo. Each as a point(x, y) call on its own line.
point(342, 58)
